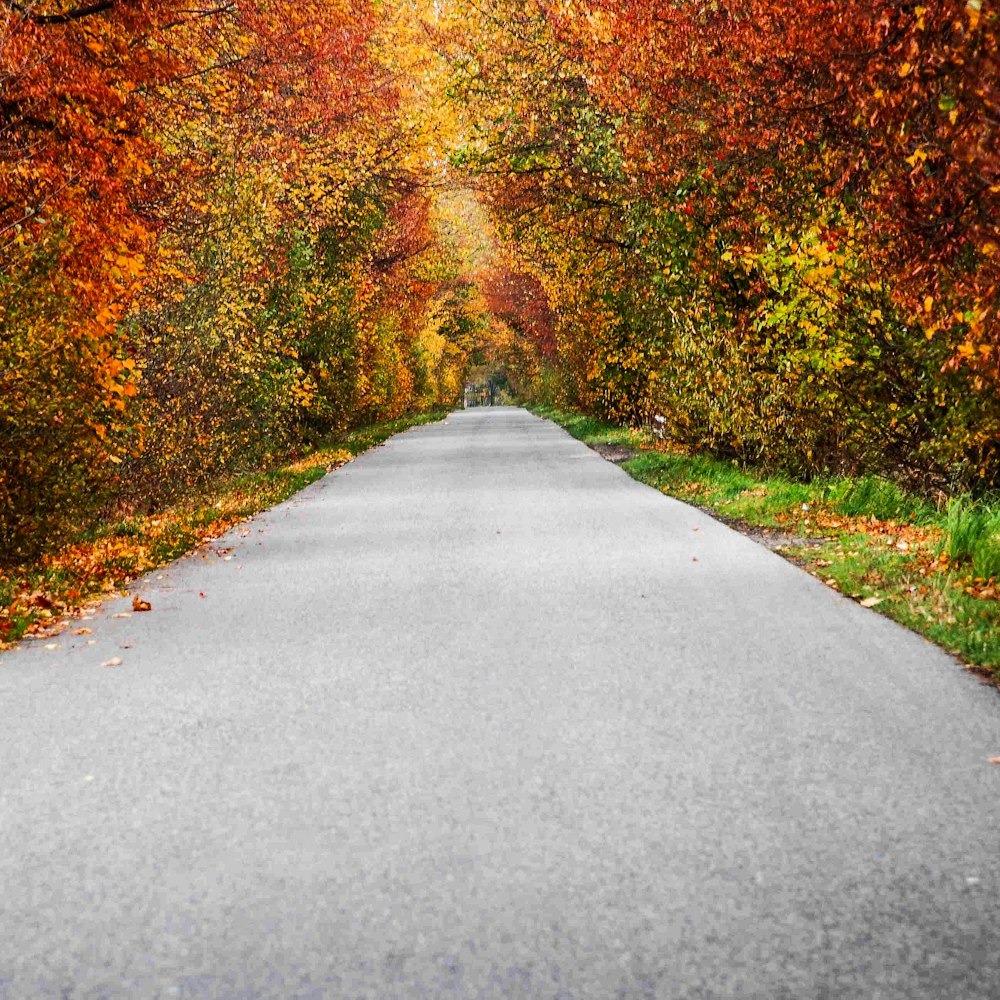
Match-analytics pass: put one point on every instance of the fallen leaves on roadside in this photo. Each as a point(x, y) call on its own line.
point(115, 661)
point(62, 583)
point(870, 602)
point(985, 590)
point(994, 760)
point(138, 604)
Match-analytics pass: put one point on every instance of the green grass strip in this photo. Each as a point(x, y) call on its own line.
point(933, 569)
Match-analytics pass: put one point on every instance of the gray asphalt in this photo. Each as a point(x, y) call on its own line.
point(479, 716)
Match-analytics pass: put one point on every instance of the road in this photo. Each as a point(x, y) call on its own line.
point(478, 716)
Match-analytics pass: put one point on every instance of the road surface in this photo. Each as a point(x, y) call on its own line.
point(478, 716)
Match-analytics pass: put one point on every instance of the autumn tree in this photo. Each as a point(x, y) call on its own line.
point(773, 222)
point(209, 216)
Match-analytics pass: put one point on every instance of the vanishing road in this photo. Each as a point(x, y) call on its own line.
point(478, 716)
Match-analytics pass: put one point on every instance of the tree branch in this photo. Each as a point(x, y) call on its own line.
point(77, 14)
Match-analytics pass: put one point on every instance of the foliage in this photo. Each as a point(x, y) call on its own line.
point(774, 223)
point(209, 217)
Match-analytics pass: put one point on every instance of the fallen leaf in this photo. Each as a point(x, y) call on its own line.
point(201, 593)
point(871, 602)
point(122, 614)
point(52, 645)
point(995, 760)
point(138, 604)
point(84, 631)
point(115, 661)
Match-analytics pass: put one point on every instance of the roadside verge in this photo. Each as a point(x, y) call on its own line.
point(934, 570)
point(42, 598)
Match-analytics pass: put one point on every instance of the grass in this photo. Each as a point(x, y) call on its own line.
point(973, 534)
point(38, 597)
point(934, 570)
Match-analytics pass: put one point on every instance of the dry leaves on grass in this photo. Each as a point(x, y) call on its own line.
point(81, 572)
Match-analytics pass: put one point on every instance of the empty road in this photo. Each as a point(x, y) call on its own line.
point(478, 716)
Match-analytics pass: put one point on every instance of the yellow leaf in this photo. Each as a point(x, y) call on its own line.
point(904, 70)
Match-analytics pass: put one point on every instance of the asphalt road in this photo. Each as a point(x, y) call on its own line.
point(478, 716)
